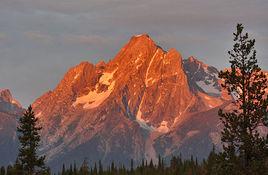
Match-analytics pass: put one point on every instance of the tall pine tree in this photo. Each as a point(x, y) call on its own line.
point(29, 139)
point(244, 147)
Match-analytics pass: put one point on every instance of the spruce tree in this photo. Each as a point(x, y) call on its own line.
point(63, 170)
point(29, 138)
point(100, 168)
point(244, 148)
point(84, 170)
point(75, 169)
point(2, 171)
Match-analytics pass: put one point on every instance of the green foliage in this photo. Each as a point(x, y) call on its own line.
point(244, 147)
point(28, 161)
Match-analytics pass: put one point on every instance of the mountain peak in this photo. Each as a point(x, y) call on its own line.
point(143, 35)
point(142, 38)
point(192, 59)
point(202, 77)
point(6, 96)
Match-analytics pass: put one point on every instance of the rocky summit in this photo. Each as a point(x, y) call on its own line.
point(10, 110)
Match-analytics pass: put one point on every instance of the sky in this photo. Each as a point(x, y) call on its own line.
point(41, 39)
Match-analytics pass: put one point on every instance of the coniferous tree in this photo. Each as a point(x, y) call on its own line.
point(211, 163)
point(2, 171)
point(95, 169)
point(100, 168)
point(29, 139)
point(9, 170)
point(75, 169)
point(131, 166)
point(84, 170)
point(63, 170)
point(244, 148)
point(71, 170)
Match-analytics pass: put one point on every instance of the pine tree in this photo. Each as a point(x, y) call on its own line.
point(63, 171)
point(2, 171)
point(75, 169)
point(95, 169)
point(100, 168)
point(211, 163)
point(131, 166)
point(84, 170)
point(9, 170)
point(29, 139)
point(244, 148)
point(71, 169)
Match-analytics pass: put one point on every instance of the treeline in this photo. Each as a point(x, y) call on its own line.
point(176, 166)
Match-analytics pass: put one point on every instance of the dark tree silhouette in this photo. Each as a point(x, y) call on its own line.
point(244, 147)
point(29, 139)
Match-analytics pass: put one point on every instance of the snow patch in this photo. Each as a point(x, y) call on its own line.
point(141, 121)
point(215, 138)
point(159, 98)
point(207, 97)
point(107, 77)
point(94, 98)
point(138, 66)
point(138, 58)
point(210, 106)
point(76, 76)
point(147, 71)
point(39, 114)
point(139, 35)
point(192, 133)
point(163, 128)
point(208, 88)
point(15, 102)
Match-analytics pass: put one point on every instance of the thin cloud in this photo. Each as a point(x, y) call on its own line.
point(88, 39)
point(38, 36)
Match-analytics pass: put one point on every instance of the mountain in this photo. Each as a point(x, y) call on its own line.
point(10, 110)
point(144, 102)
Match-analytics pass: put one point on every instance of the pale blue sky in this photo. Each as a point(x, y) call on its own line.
point(41, 39)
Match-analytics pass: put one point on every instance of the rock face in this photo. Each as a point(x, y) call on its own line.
point(142, 103)
point(10, 110)
point(202, 77)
